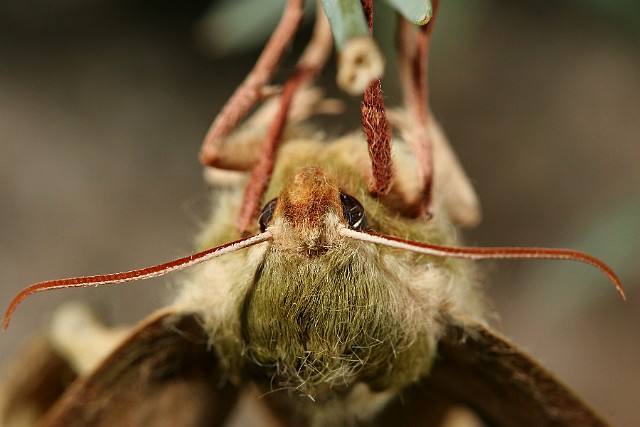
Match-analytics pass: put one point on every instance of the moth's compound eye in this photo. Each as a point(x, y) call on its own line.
point(353, 212)
point(267, 214)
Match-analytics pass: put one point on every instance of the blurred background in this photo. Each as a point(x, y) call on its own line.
point(103, 106)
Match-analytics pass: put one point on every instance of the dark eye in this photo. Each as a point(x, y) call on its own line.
point(267, 214)
point(353, 212)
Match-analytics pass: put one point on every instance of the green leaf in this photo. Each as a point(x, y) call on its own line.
point(416, 11)
point(347, 20)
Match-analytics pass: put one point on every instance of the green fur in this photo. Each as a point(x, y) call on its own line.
point(323, 322)
point(355, 312)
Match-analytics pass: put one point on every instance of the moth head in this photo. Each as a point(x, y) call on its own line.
point(309, 212)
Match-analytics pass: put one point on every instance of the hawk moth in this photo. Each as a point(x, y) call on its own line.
point(457, 316)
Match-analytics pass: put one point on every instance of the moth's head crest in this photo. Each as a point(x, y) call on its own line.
point(308, 198)
point(307, 212)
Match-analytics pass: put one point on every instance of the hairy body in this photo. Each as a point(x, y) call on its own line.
point(339, 323)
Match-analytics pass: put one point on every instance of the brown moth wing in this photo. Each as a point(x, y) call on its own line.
point(33, 382)
point(479, 369)
point(163, 374)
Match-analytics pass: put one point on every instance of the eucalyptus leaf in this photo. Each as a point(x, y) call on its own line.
point(235, 26)
point(347, 20)
point(417, 11)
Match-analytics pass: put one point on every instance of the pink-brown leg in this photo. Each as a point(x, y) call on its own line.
point(251, 90)
point(309, 66)
point(414, 64)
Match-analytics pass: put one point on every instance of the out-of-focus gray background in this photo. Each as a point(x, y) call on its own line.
point(103, 106)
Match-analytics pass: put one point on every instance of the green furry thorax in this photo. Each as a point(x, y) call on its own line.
point(314, 323)
point(355, 312)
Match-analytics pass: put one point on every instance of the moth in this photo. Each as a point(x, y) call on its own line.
point(331, 287)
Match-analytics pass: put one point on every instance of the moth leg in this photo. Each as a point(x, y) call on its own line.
point(81, 338)
point(413, 52)
point(309, 66)
point(251, 90)
point(451, 183)
point(308, 101)
point(248, 139)
point(455, 197)
point(262, 171)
